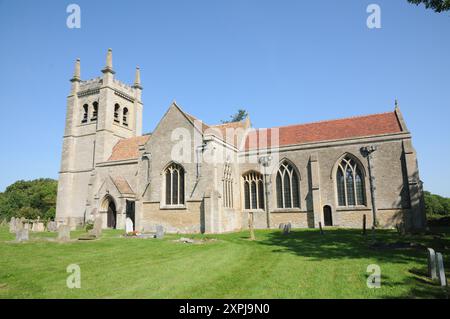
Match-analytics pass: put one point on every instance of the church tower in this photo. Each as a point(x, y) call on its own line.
point(100, 112)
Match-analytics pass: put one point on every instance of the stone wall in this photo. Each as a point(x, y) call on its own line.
point(186, 220)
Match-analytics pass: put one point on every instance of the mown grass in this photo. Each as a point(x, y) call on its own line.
point(303, 264)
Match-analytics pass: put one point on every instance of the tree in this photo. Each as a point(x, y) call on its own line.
point(239, 116)
point(29, 199)
point(436, 5)
point(436, 205)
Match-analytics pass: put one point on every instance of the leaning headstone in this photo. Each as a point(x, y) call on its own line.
point(51, 226)
point(12, 225)
point(441, 271)
point(64, 233)
point(22, 235)
point(320, 227)
point(432, 264)
point(159, 232)
point(129, 225)
point(287, 229)
point(97, 230)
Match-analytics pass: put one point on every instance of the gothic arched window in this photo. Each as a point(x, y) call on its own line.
point(287, 186)
point(227, 186)
point(94, 111)
point(350, 183)
point(174, 177)
point(253, 191)
point(85, 113)
point(125, 117)
point(116, 113)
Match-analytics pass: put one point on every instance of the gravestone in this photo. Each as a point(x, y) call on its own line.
point(22, 235)
point(38, 227)
point(251, 223)
point(24, 223)
point(129, 228)
point(281, 226)
point(320, 227)
point(441, 271)
point(287, 229)
point(64, 233)
point(159, 232)
point(432, 264)
point(98, 225)
point(51, 226)
point(12, 225)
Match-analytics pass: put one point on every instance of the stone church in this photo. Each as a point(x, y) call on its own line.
point(192, 177)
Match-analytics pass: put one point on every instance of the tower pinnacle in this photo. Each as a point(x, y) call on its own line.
point(76, 72)
point(108, 66)
point(137, 79)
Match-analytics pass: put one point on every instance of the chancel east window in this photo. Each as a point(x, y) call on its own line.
point(350, 183)
point(174, 178)
point(227, 186)
point(287, 186)
point(253, 191)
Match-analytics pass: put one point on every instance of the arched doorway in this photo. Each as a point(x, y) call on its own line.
point(111, 215)
point(327, 216)
point(108, 206)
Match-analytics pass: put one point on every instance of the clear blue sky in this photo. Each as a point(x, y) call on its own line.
point(285, 62)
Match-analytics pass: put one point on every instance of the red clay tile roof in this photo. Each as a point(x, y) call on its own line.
point(196, 122)
point(128, 148)
point(353, 127)
point(233, 127)
point(122, 185)
point(221, 128)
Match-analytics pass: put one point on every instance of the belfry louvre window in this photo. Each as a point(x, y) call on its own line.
point(116, 113)
point(94, 111)
point(350, 183)
point(227, 186)
point(253, 191)
point(287, 185)
point(174, 175)
point(85, 113)
point(125, 117)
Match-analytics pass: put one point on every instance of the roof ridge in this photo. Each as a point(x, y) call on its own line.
point(223, 124)
point(333, 120)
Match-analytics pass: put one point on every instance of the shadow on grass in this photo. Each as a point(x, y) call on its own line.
point(340, 243)
point(351, 244)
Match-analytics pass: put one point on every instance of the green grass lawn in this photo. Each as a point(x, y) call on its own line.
point(303, 264)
